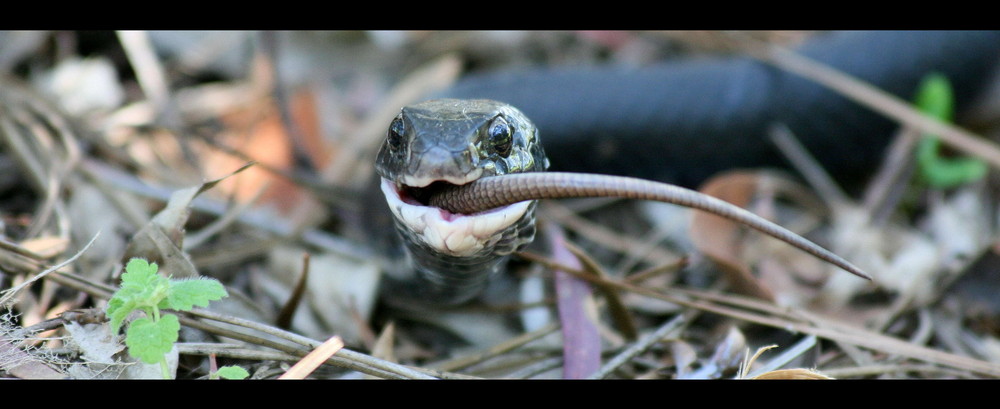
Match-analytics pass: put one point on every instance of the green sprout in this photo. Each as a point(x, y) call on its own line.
point(149, 338)
point(935, 99)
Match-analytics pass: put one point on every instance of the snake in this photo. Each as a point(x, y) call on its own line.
point(463, 177)
point(462, 174)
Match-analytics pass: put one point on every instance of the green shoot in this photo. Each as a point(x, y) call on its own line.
point(151, 337)
point(934, 98)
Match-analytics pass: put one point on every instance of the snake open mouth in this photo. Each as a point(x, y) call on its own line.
point(451, 233)
point(421, 195)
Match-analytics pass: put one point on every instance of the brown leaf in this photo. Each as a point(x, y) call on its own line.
point(261, 135)
point(726, 244)
point(720, 239)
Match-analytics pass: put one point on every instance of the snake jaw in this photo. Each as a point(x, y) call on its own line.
point(455, 234)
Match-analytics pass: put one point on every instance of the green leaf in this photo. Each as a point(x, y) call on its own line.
point(142, 284)
point(935, 98)
point(150, 340)
point(232, 372)
point(946, 172)
point(139, 273)
point(118, 309)
point(141, 287)
point(185, 294)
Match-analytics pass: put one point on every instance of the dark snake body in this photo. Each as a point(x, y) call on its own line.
point(683, 122)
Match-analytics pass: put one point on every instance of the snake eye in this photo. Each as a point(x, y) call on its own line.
point(394, 136)
point(500, 136)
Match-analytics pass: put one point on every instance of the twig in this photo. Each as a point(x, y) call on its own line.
point(14, 248)
point(284, 318)
point(875, 370)
point(620, 316)
point(233, 351)
point(800, 321)
point(314, 359)
point(196, 239)
point(344, 358)
point(889, 183)
point(147, 68)
point(43, 124)
point(496, 350)
point(643, 275)
point(600, 234)
point(638, 347)
point(807, 165)
point(251, 217)
point(352, 358)
point(7, 295)
point(537, 368)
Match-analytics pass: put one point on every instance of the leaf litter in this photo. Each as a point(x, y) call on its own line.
point(98, 148)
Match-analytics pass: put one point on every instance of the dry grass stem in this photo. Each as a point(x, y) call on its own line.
point(314, 359)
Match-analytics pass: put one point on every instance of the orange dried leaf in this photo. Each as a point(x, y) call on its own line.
point(261, 135)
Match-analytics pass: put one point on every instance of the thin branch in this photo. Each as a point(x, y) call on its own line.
point(496, 350)
point(638, 347)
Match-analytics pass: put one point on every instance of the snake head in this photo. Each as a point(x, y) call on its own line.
point(458, 141)
point(454, 142)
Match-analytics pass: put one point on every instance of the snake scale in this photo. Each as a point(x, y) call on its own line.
point(679, 122)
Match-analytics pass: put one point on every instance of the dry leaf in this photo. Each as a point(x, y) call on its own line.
point(725, 243)
point(161, 240)
point(263, 137)
point(791, 374)
point(47, 246)
point(383, 347)
point(577, 313)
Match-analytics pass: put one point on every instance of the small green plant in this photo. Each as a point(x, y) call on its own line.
point(935, 98)
point(149, 338)
point(230, 372)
